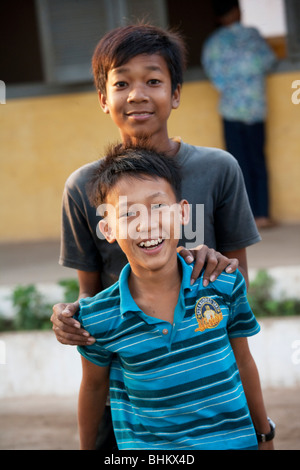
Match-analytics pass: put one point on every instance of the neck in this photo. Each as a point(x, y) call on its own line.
point(164, 145)
point(143, 282)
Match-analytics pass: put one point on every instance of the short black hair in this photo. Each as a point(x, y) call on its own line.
point(134, 161)
point(222, 7)
point(122, 44)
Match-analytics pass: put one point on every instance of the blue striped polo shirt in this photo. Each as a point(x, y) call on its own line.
point(174, 386)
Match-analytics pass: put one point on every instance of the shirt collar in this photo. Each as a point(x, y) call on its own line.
point(127, 304)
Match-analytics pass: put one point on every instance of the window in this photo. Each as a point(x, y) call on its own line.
point(52, 41)
point(70, 30)
point(270, 19)
point(293, 34)
point(20, 53)
point(48, 44)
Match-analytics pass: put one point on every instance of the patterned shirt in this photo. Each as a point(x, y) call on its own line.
point(236, 59)
point(174, 386)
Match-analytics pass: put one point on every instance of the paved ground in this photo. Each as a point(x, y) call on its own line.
point(49, 423)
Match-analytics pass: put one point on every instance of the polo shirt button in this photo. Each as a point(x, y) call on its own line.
point(165, 331)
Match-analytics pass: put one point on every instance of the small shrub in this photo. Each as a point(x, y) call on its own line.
point(32, 312)
point(262, 303)
point(71, 289)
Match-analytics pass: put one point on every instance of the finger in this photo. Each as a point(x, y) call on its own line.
point(67, 325)
point(75, 340)
point(66, 320)
point(200, 259)
point(70, 309)
point(210, 269)
point(67, 335)
point(61, 322)
point(223, 264)
point(63, 329)
point(232, 266)
point(64, 313)
point(187, 255)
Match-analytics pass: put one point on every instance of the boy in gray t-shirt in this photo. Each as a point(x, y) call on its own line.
point(212, 183)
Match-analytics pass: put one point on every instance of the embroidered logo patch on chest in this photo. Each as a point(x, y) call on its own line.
point(208, 313)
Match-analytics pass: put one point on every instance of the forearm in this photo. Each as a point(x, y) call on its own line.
point(241, 255)
point(244, 272)
point(252, 387)
point(89, 283)
point(91, 404)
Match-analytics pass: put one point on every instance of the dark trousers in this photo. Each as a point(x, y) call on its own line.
point(106, 441)
point(246, 143)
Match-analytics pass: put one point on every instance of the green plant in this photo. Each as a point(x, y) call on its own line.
point(71, 289)
point(32, 312)
point(262, 302)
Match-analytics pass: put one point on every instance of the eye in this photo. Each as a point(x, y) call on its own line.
point(154, 81)
point(128, 214)
point(120, 84)
point(158, 206)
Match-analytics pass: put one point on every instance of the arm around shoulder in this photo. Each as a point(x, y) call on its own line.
point(66, 328)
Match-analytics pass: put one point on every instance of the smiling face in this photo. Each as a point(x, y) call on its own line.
point(147, 232)
point(139, 99)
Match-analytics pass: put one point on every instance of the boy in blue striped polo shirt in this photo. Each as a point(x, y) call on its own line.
point(181, 374)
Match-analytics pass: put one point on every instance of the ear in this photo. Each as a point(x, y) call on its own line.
point(107, 231)
point(176, 97)
point(184, 212)
point(103, 102)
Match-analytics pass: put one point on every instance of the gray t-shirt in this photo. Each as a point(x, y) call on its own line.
point(211, 181)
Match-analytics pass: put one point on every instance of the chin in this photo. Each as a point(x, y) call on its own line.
point(157, 263)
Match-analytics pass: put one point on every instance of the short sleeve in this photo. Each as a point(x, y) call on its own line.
point(95, 353)
point(235, 226)
point(78, 247)
point(265, 57)
point(242, 321)
point(212, 63)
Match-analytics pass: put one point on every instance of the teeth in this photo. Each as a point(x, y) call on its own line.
point(139, 114)
point(149, 243)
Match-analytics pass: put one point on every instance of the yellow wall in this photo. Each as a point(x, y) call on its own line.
point(44, 139)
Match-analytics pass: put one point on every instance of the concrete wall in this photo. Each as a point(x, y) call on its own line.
point(34, 363)
point(44, 139)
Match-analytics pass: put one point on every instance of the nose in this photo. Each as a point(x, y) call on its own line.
point(147, 223)
point(137, 94)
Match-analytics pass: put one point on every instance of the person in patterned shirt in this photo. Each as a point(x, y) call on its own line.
point(236, 59)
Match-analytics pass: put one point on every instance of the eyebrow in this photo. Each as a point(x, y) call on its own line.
point(124, 69)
